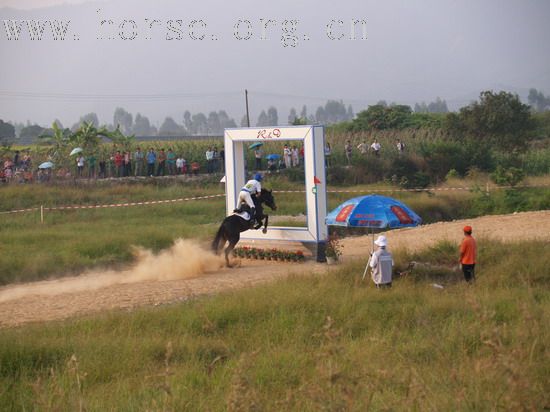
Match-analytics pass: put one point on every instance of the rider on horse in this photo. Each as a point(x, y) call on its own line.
point(251, 188)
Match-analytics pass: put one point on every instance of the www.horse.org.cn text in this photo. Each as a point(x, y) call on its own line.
point(288, 31)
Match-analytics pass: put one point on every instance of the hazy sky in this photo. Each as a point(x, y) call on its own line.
point(414, 51)
point(37, 4)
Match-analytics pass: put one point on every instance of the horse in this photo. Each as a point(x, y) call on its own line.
point(232, 226)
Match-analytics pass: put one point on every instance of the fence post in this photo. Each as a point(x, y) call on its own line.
point(41, 213)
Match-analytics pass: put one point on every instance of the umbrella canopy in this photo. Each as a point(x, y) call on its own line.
point(46, 165)
point(75, 151)
point(273, 156)
point(255, 145)
point(373, 211)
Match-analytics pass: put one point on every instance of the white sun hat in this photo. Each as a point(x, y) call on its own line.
point(381, 241)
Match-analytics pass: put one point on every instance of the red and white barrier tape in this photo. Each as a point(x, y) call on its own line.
point(154, 202)
point(418, 189)
point(32, 209)
point(151, 202)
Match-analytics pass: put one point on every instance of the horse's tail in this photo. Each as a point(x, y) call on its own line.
point(219, 236)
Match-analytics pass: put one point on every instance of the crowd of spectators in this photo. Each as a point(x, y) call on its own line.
point(292, 156)
point(118, 164)
point(18, 168)
point(139, 163)
point(153, 163)
point(364, 149)
point(214, 160)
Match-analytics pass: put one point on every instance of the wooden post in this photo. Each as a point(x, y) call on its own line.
point(247, 114)
point(41, 213)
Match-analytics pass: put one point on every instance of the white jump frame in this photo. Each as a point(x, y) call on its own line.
point(313, 137)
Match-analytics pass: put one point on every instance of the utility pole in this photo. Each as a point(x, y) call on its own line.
point(247, 114)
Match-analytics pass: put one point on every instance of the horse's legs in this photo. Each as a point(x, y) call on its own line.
point(264, 230)
point(232, 243)
point(258, 222)
point(223, 240)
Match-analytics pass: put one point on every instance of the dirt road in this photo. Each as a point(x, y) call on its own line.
point(153, 281)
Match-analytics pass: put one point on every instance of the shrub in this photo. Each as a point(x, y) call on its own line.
point(403, 166)
point(510, 176)
point(337, 175)
point(295, 174)
point(442, 156)
point(380, 117)
point(499, 117)
point(515, 200)
point(419, 179)
point(427, 120)
point(369, 170)
point(478, 153)
point(453, 174)
point(407, 173)
point(364, 171)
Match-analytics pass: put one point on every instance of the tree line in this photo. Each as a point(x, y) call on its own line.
point(380, 116)
point(497, 118)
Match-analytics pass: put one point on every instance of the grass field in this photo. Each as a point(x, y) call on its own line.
point(306, 344)
point(72, 241)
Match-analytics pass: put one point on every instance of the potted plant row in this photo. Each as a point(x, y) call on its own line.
point(269, 254)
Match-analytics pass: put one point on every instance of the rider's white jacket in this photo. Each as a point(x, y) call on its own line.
point(252, 187)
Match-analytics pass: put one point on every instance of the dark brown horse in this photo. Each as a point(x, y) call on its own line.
point(232, 226)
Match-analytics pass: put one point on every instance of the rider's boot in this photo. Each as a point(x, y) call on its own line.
point(252, 216)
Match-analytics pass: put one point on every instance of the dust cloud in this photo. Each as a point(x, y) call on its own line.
point(184, 259)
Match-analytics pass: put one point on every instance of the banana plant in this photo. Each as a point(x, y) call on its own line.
point(58, 141)
point(120, 139)
point(5, 150)
point(88, 137)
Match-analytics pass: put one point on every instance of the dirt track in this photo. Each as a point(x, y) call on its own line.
point(69, 297)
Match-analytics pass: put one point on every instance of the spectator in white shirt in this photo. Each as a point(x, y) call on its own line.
point(400, 146)
point(295, 157)
point(210, 160)
point(179, 165)
point(375, 146)
point(287, 156)
point(381, 263)
point(79, 165)
point(363, 148)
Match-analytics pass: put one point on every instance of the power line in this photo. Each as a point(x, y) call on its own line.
point(84, 97)
point(6, 94)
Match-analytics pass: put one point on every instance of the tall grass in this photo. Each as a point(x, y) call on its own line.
point(306, 343)
point(536, 162)
point(102, 192)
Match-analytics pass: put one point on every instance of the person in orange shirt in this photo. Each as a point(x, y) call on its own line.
point(468, 251)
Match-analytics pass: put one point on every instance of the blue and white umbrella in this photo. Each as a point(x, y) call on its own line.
point(373, 211)
point(46, 165)
point(255, 145)
point(273, 156)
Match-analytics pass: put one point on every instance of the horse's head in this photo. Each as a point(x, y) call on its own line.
point(267, 197)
